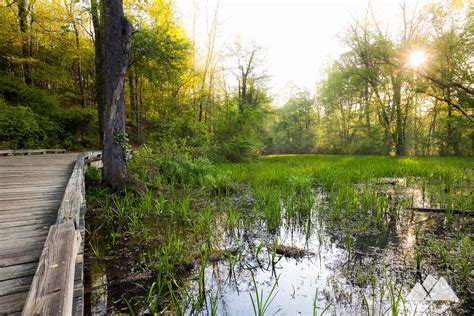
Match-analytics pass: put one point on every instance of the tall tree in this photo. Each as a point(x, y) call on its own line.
point(118, 32)
point(97, 14)
point(73, 17)
point(25, 21)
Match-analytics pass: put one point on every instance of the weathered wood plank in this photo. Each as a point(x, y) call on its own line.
point(7, 247)
point(28, 204)
point(25, 222)
point(24, 188)
point(19, 235)
point(52, 288)
point(6, 152)
point(25, 256)
point(32, 196)
point(7, 218)
point(31, 211)
point(17, 271)
point(34, 181)
point(15, 285)
point(31, 190)
point(73, 196)
point(12, 303)
point(78, 299)
point(31, 152)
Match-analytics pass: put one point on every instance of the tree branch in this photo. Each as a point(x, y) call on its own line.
point(447, 84)
point(455, 105)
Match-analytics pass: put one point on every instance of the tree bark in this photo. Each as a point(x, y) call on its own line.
point(118, 34)
point(244, 96)
point(131, 91)
point(397, 102)
point(139, 101)
point(367, 109)
point(97, 13)
point(26, 40)
point(79, 65)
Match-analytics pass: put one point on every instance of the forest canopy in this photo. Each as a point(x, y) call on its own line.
point(408, 93)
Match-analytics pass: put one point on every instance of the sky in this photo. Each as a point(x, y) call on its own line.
point(299, 37)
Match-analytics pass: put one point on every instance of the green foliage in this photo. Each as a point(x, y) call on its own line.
point(374, 102)
point(20, 127)
point(170, 162)
point(182, 128)
point(16, 92)
point(294, 130)
point(236, 138)
point(31, 118)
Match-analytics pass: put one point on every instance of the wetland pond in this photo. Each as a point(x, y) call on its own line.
point(301, 249)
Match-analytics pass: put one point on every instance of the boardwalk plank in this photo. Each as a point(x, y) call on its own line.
point(7, 247)
point(18, 271)
point(20, 236)
point(25, 222)
point(15, 285)
point(28, 210)
point(31, 191)
point(25, 256)
point(30, 204)
point(13, 303)
point(8, 218)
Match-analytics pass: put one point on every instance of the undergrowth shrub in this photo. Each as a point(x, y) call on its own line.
point(170, 162)
point(20, 127)
point(31, 118)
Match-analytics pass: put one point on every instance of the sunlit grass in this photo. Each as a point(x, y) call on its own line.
point(180, 214)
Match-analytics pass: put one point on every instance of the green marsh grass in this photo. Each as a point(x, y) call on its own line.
point(176, 202)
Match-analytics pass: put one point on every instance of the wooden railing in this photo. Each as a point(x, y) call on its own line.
point(57, 287)
point(60, 268)
point(24, 152)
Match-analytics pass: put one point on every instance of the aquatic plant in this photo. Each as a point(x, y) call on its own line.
point(260, 302)
point(395, 297)
point(213, 304)
point(315, 305)
point(95, 247)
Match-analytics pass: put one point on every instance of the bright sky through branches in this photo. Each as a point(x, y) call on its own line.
point(300, 36)
point(417, 58)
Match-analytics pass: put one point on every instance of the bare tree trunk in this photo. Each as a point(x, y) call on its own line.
point(367, 109)
point(79, 65)
point(133, 98)
point(97, 13)
point(118, 34)
point(201, 108)
point(452, 137)
point(245, 72)
point(400, 137)
point(432, 128)
point(139, 85)
point(26, 40)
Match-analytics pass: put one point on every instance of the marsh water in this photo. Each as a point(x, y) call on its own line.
point(303, 266)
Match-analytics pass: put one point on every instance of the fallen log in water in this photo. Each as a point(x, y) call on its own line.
point(443, 210)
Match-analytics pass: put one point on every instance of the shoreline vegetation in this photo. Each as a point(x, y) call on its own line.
point(188, 232)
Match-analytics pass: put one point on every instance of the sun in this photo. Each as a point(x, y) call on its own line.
point(417, 58)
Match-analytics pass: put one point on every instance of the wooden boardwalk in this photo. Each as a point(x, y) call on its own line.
point(31, 192)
